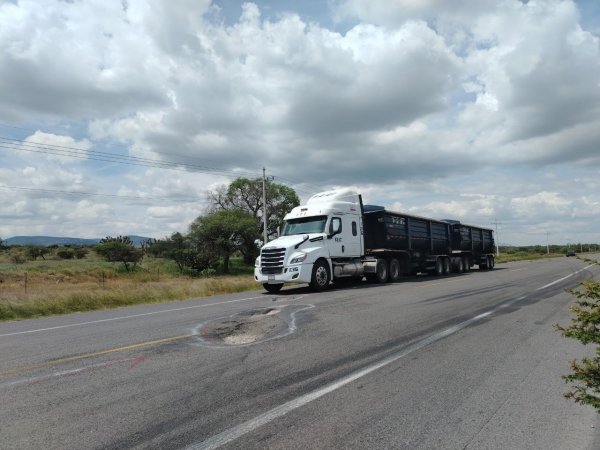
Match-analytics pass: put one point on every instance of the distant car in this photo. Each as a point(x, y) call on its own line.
point(570, 253)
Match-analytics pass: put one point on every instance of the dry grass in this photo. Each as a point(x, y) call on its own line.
point(42, 288)
point(48, 294)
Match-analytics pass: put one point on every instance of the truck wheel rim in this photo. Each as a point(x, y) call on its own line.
point(321, 276)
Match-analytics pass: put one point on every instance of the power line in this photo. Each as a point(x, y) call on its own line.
point(73, 152)
point(93, 194)
point(95, 155)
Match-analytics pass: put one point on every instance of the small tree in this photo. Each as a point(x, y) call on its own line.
point(585, 327)
point(36, 252)
point(221, 233)
point(120, 249)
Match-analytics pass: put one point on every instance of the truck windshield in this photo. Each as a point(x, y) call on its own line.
point(304, 225)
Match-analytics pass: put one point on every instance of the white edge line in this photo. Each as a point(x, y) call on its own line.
point(238, 431)
point(564, 278)
point(129, 316)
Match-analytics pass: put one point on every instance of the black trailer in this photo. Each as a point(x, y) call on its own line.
point(397, 244)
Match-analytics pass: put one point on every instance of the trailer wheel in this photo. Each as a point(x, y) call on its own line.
point(272, 288)
point(446, 265)
point(483, 263)
point(394, 270)
point(439, 267)
point(381, 271)
point(320, 276)
point(460, 265)
point(466, 264)
point(491, 262)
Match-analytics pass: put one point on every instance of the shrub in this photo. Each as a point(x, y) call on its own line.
point(585, 327)
point(66, 253)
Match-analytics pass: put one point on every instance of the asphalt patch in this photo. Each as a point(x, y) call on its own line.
point(250, 327)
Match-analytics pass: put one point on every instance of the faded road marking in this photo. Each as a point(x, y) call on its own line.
point(92, 355)
point(135, 361)
point(184, 308)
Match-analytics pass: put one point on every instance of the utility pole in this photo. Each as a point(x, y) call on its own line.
point(547, 244)
point(264, 199)
point(495, 222)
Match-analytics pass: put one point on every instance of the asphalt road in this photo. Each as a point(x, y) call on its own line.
point(459, 362)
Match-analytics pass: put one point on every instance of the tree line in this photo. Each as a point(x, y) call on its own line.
point(231, 225)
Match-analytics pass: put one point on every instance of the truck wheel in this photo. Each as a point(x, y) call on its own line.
point(272, 288)
point(320, 276)
point(483, 263)
point(466, 264)
point(439, 267)
point(381, 271)
point(446, 266)
point(491, 262)
point(394, 270)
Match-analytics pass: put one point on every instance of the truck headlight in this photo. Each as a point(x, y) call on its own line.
point(257, 262)
point(299, 258)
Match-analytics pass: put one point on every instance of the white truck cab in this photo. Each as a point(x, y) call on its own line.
point(328, 229)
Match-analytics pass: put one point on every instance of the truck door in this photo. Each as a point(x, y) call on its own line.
point(345, 236)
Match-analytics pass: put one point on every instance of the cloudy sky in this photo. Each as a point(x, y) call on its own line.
point(116, 117)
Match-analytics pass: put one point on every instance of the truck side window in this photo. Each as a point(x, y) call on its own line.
point(354, 229)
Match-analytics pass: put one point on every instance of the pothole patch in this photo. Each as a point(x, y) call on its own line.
point(250, 327)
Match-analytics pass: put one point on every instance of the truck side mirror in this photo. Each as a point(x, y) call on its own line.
point(258, 243)
point(335, 227)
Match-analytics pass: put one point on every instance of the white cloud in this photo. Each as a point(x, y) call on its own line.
point(423, 105)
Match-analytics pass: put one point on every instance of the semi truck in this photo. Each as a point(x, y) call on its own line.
point(335, 238)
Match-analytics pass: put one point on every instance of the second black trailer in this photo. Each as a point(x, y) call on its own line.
point(401, 244)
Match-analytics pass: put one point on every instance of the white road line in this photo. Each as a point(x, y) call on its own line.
point(564, 278)
point(238, 431)
point(204, 305)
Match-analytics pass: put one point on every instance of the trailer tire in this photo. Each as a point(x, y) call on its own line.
point(460, 265)
point(484, 263)
point(394, 270)
point(491, 262)
point(446, 265)
point(439, 267)
point(272, 288)
point(319, 281)
point(466, 264)
point(381, 271)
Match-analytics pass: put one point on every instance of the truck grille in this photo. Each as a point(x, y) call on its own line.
point(271, 260)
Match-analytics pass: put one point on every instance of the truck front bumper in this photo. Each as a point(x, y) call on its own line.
point(297, 273)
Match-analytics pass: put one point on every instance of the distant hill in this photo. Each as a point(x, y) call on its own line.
point(45, 241)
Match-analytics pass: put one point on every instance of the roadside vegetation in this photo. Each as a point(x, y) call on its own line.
point(215, 256)
point(585, 327)
point(57, 286)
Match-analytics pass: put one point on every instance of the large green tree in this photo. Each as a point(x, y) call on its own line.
point(246, 194)
point(223, 233)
